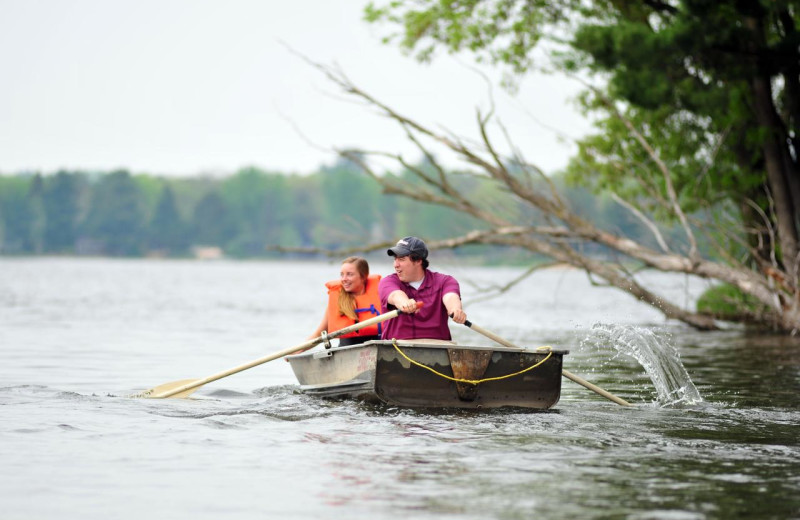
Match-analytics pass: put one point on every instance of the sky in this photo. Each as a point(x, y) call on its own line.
point(188, 87)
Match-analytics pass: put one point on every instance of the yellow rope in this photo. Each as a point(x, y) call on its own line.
point(473, 381)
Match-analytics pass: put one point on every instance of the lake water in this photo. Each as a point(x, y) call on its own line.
point(77, 336)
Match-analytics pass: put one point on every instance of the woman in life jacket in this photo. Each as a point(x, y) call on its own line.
point(352, 298)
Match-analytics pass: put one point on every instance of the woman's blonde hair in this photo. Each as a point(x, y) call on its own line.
point(347, 301)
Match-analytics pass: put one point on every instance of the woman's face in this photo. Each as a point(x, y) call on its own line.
point(351, 280)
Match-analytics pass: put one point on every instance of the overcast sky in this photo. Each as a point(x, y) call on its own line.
point(181, 87)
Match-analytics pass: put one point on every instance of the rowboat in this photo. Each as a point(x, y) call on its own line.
point(436, 374)
point(431, 374)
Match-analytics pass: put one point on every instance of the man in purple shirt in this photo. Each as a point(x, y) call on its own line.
point(413, 282)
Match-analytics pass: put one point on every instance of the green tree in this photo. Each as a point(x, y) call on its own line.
point(697, 115)
point(151, 189)
point(437, 221)
point(21, 213)
point(167, 230)
point(306, 213)
point(260, 203)
point(276, 211)
point(244, 194)
point(35, 204)
point(116, 216)
point(212, 224)
point(61, 212)
point(350, 212)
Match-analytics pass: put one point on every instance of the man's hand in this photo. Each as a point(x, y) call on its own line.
point(409, 306)
point(402, 303)
point(459, 316)
point(452, 302)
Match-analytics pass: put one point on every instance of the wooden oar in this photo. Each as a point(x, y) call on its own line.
point(185, 387)
point(568, 375)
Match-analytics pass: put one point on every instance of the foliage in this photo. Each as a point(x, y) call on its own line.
point(21, 213)
point(503, 31)
point(349, 213)
point(117, 213)
point(115, 217)
point(729, 303)
point(697, 112)
point(167, 231)
point(61, 211)
point(212, 222)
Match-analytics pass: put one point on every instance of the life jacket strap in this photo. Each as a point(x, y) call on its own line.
point(372, 310)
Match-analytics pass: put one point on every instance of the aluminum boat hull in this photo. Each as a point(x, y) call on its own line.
point(378, 372)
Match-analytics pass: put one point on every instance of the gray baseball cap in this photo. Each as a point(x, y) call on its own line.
point(407, 246)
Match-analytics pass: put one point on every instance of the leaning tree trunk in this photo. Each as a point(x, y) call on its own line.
point(779, 165)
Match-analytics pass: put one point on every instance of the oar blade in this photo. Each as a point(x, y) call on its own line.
point(156, 392)
point(166, 389)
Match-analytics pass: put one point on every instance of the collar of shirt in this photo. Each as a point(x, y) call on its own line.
point(416, 285)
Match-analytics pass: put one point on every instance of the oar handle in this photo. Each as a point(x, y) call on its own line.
point(491, 335)
point(285, 352)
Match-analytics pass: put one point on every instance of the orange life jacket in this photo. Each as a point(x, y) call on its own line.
point(368, 305)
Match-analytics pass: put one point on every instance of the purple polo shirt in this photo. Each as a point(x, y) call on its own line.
point(431, 321)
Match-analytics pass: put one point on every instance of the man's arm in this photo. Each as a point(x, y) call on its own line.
point(401, 301)
point(452, 302)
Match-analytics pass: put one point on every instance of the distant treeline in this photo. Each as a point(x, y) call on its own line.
point(121, 214)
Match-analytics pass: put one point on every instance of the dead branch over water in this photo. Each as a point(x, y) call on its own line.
point(566, 234)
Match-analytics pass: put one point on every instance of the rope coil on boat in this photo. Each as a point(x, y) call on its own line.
point(475, 381)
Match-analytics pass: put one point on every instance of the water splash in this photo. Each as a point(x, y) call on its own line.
point(659, 358)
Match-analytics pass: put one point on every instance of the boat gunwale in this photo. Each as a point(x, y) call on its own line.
point(422, 344)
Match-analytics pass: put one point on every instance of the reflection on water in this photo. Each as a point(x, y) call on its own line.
point(76, 335)
point(655, 354)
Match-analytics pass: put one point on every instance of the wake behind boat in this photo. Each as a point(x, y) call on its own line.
point(422, 374)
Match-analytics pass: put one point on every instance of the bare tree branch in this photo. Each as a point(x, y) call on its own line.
point(673, 197)
point(567, 234)
point(646, 221)
point(494, 291)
